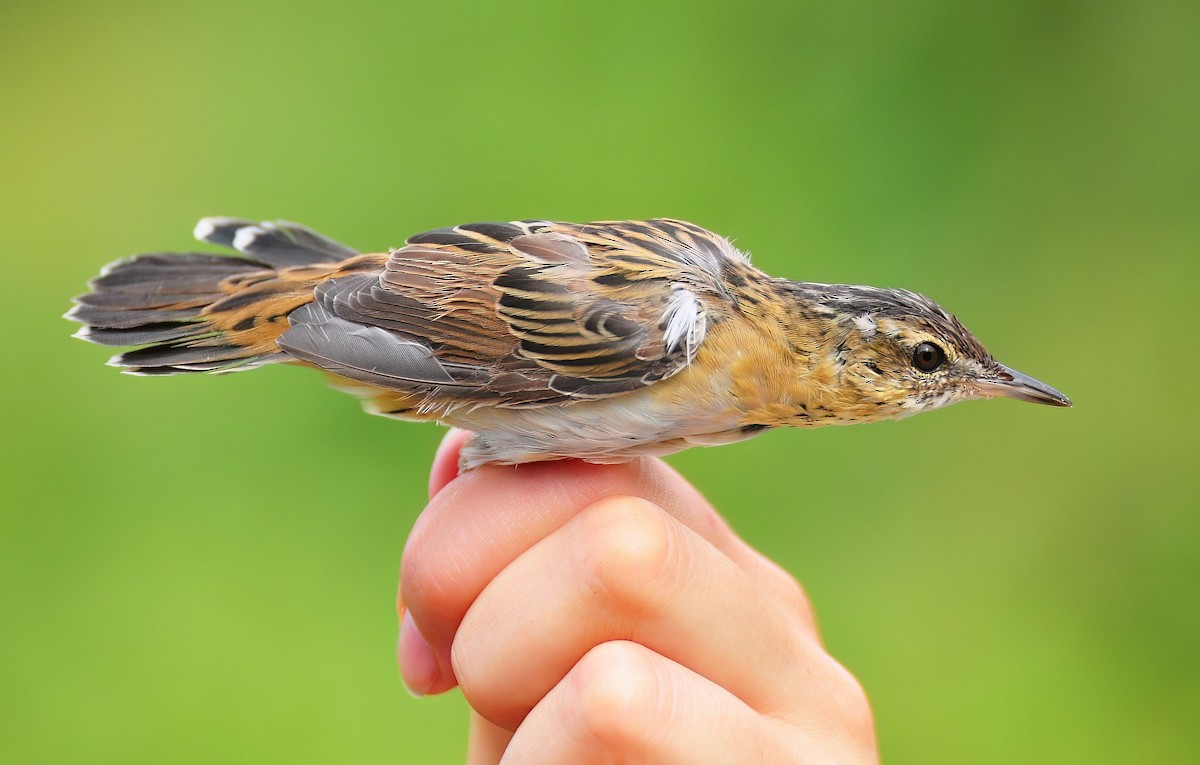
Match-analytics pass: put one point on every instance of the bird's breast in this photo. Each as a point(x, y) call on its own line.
point(751, 368)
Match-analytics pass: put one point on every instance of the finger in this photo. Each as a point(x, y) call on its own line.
point(624, 703)
point(482, 520)
point(624, 569)
point(420, 668)
point(418, 663)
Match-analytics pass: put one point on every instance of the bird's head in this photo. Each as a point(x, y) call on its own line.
point(896, 353)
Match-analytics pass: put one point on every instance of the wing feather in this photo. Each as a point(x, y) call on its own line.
point(527, 313)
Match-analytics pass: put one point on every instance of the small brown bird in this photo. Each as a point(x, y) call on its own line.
point(601, 341)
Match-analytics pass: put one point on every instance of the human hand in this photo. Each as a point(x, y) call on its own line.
point(608, 614)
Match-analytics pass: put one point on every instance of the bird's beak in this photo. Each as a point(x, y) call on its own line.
point(1012, 384)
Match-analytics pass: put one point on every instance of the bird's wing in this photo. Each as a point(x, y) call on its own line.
point(522, 314)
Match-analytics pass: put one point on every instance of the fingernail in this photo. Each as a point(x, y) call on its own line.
point(418, 665)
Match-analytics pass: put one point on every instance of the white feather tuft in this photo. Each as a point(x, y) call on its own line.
point(685, 321)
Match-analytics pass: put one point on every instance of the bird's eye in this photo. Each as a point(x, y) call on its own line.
point(928, 357)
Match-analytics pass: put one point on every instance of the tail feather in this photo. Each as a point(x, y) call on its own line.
point(126, 318)
point(131, 301)
point(279, 244)
point(182, 357)
point(169, 273)
point(195, 312)
point(146, 334)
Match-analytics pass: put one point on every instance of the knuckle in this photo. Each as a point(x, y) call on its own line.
point(617, 698)
point(851, 700)
point(789, 592)
point(794, 595)
point(628, 552)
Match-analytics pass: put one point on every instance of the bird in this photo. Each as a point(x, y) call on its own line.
point(601, 341)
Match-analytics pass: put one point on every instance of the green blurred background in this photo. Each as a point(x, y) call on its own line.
point(203, 569)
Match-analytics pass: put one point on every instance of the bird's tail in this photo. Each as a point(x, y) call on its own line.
point(193, 312)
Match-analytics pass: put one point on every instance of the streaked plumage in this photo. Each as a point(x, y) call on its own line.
point(600, 341)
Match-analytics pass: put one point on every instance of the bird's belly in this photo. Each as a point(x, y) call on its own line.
point(607, 430)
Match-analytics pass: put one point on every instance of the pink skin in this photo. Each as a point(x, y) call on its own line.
point(607, 613)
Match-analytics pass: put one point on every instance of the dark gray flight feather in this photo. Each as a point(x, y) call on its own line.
point(369, 354)
point(279, 244)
